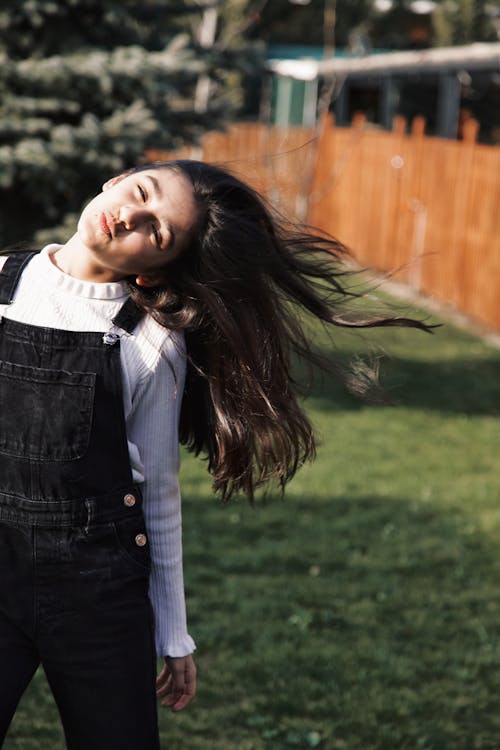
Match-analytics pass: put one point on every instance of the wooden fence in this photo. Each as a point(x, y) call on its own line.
point(424, 208)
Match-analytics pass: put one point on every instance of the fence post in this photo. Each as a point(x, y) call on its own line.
point(399, 124)
point(417, 208)
point(358, 120)
point(418, 126)
point(470, 129)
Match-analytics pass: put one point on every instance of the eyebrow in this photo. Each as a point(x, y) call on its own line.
point(159, 196)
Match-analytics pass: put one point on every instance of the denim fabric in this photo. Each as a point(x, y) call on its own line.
point(30, 431)
point(62, 428)
point(73, 549)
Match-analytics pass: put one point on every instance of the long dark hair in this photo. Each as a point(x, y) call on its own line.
point(238, 290)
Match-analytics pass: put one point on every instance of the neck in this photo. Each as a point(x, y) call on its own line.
point(75, 259)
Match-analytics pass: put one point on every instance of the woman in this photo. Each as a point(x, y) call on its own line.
point(179, 287)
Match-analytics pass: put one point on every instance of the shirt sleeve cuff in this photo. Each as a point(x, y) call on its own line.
point(183, 647)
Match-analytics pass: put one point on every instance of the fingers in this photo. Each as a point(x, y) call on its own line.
point(165, 687)
point(177, 681)
point(187, 688)
point(163, 676)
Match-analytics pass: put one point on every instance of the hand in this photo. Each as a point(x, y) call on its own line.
point(177, 680)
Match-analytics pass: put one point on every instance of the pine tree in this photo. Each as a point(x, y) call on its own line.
point(86, 87)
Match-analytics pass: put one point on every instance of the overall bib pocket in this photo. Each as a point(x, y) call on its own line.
point(46, 415)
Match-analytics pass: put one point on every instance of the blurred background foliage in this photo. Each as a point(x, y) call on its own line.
point(88, 86)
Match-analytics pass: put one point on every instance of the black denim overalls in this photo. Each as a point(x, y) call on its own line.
point(74, 557)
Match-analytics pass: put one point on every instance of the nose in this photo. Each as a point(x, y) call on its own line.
point(132, 217)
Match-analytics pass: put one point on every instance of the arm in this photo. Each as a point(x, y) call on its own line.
point(152, 428)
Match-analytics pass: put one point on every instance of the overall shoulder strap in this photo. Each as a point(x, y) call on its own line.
point(11, 273)
point(128, 316)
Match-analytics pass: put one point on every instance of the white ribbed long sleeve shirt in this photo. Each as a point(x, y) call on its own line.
point(153, 363)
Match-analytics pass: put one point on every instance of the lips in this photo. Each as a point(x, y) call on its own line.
point(105, 225)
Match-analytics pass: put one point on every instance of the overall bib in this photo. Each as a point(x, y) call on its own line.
point(74, 557)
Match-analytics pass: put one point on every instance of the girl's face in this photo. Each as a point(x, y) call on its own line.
point(139, 223)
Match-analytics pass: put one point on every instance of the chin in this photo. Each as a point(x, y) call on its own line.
point(87, 234)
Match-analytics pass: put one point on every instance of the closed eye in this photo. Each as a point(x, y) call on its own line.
point(156, 233)
point(157, 236)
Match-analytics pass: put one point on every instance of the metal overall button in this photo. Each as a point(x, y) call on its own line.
point(110, 338)
point(129, 500)
point(132, 542)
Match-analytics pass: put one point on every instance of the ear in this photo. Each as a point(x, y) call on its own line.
point(147, 280)
point(113, 181)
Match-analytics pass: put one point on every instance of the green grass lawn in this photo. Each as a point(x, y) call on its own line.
point(363, 611)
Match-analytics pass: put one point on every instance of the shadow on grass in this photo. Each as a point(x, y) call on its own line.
point(466, 387)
